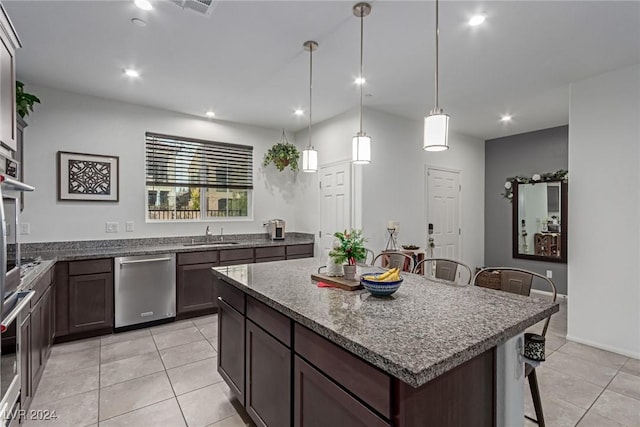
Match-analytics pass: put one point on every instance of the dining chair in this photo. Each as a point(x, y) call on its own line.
point(445, 269)
point(395, 260)
point(519, 281)
point(368, 258)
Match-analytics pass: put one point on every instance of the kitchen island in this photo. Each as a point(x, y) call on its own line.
point(431, 354)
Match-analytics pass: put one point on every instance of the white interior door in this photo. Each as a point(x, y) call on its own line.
point(335, 202)
point(443, 211)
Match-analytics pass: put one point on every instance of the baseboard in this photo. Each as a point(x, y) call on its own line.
point(604, 347)
point(547, 293)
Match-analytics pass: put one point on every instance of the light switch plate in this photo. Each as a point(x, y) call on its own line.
point(549, 274)
point(111, 227)
point(130, 226)
point(25, 228)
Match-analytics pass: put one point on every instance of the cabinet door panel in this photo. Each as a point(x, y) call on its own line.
point(26, 392)
point(90, 302)
point(37, 359)
point(319, 402)
point(231, 348)
point(196, 288)
point(47, 324)
point(7, 96)
point(268, 386)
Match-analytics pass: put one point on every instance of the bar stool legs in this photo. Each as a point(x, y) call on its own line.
point(535, 396)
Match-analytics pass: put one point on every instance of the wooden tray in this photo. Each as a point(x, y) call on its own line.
point(341, 282)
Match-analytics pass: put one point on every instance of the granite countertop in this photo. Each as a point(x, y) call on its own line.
point(423, 330)
point(73, 251)
point(34, 274)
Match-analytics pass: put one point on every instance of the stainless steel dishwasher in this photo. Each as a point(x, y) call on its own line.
point(145, 288)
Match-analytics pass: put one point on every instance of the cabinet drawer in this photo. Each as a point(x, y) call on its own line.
point(232, 296)
point(270, 252)
point(41, 286)
point(270, 320)
point(204, 257)
point(270, 259)
point(91, 266)
point(368, 383)
point(236, 254)
point(306, 249)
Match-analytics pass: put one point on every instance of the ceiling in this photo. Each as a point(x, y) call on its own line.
point(246, 62)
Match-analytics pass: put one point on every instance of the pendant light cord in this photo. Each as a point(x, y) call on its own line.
point(361, 60)
point(310, 88)
point(437, 37)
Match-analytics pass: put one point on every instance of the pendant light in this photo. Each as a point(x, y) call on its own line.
point(361, 145)
point(309, 154)
point(436, 124)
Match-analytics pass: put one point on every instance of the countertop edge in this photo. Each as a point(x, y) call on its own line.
point(414, 379)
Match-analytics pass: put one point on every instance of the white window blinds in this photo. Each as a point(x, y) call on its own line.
point(178, 161)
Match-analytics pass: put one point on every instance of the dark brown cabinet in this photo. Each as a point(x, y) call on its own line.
point(195, 287)
point(231, 347)
point(320, 402)
point(271, 253)
point(26, 393)
point(36, 353)
point(196, 291)
point(300, 251)
point(90, 302)
point(268, 378)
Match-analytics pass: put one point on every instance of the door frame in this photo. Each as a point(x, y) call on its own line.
point(427, 168)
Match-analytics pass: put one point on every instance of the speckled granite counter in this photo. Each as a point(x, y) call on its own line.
point(72, 251)
point(422, 331)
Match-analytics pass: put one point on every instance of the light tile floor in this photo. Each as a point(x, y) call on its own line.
point(167, 376)
point(161, 376)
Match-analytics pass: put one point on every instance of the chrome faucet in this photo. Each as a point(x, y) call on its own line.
point(207, 233)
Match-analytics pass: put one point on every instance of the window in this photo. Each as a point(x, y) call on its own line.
point(190, 179)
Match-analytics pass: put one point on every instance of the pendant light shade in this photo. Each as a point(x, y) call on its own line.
point(436, 124)
point(361, 143)
point(361, 149)
point(436, 132)
point(309, 160)
point(309, 154)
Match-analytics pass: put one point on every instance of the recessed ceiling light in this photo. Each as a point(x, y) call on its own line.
point(506, 118)
point(131, 72)
point(360, 80)
point(477, 20)
point(143, 4)
point(138, 22)
point(210, 114)
point(299, 112)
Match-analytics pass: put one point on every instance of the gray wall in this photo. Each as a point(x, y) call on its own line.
point(525, 154)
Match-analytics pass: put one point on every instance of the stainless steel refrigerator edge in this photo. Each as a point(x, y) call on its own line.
point(145, 288)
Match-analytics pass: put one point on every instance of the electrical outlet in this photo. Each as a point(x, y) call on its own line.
point(25, 228)
point(130, 226)
point(111, 227)
point(549, 274)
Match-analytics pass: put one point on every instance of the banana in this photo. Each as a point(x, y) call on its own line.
point(392, 278)
point(386, 274)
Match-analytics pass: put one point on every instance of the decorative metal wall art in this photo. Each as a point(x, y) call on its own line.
point(88, 177)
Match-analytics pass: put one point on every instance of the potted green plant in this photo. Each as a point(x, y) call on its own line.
point(282, 154)
point(349, 250)
point(24, 101)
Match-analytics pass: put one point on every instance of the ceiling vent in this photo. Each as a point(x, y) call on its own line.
point(203, 7)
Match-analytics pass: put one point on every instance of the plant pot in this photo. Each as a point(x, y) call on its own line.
point(281, 163)
point(349, 271)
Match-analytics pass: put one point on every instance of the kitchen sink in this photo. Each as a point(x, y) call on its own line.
point(203, 244)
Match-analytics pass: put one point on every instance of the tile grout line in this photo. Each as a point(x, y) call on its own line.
point(600, 394)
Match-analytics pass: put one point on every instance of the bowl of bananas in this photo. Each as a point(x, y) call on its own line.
point(382, 284)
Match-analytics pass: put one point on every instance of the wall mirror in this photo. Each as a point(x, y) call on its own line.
point(540, 221)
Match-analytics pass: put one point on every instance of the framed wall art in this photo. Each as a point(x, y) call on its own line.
point(88, 177)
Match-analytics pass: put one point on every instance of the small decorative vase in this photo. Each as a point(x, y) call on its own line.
point(349, 271)
point(334, 269)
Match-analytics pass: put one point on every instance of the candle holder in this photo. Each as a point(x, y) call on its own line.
point(392, 244)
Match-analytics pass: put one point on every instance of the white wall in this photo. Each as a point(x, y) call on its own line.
point(604, 209)
point(79, 123)
point(393, 185)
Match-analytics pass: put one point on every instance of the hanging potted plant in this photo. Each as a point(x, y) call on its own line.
point(350, 249)
point(24, 101)
point(282, 154)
